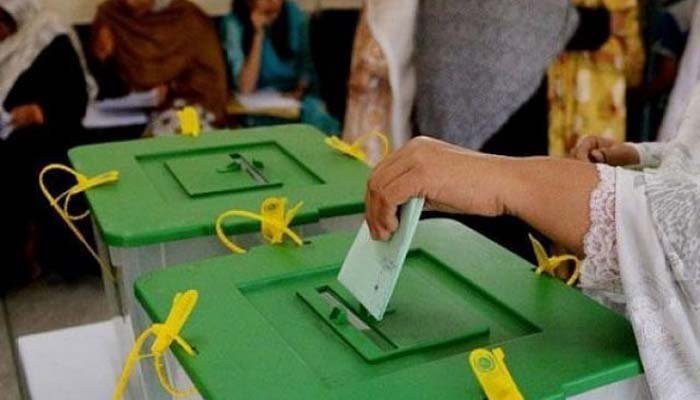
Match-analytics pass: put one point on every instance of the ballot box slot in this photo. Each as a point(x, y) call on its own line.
point(377, 341)
point(201, 173)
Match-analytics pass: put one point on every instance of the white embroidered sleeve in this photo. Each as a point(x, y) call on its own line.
point(600, 272)
point(650, 154)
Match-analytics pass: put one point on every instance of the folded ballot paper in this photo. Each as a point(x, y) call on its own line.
point(371, 268)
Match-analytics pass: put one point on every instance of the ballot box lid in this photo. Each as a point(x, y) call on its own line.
point(173, 188)
point(274, 323)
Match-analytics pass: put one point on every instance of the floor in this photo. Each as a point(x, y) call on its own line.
point(44, 305)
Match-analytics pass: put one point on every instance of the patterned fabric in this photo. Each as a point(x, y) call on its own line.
point(600, 271)
point(657, 237)
point(369, 97)
point(587, 89)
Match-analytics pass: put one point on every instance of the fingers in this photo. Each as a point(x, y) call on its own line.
point(620, 155)
point(584, 148)
point(598, 156)
point(382, 204)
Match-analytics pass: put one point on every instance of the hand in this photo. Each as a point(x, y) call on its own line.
point(161, 94)
point(606, 151)
point(450, 178)
point(27, 115)
point(297, 93)
point(260, 20)
point(103, 44)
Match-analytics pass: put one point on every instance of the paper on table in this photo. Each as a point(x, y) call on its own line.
point(267, 99)
point(96, 118)
point(371, 268)
point(132, 101)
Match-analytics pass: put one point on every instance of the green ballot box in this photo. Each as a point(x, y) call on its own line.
point(163, 208)
point(276, 324)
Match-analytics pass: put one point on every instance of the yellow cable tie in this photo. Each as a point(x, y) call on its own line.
point(355, 149)
point(492, 373)
point(189, 122)
point(165, 334)
point(61, 204)
point(549, 265)
point(274, 219)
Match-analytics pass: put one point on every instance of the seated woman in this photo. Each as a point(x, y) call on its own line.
point(166, 44)
point(639, 230)
point(43, 97)
point(267, 46)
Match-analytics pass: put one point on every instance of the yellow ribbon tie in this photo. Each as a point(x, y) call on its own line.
point(189, 122)
point(549, 265)
point(491, 371)
point(355, 149)
point(83, 184)
point(165, 334)
point(274, 219)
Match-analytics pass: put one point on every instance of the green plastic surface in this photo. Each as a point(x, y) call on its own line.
point(173, 188)
point(263, 330)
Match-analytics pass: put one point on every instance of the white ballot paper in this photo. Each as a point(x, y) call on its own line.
point(371, 269)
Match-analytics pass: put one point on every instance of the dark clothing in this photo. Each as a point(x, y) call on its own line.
point(526, 134)
point(56, 82)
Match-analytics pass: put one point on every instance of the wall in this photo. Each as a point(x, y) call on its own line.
point(81, 11)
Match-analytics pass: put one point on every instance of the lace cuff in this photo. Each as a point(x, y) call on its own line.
point(600, 272)
point(649, 154)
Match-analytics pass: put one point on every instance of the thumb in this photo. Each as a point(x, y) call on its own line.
point(619, 155)
point(599, 156)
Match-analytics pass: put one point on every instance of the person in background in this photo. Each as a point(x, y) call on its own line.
point(170, 45)
point(267, 46)
point(587, 89)
point(446, 79)
point(44, 91)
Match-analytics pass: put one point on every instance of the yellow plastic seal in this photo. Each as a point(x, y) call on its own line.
point(189, 122)
point(492, 373)
point(355, 149)
point(165, 334)
point(274, 219)
point(83, 183)
point(549, 265)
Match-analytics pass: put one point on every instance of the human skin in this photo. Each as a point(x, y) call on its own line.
point(552, 195)
point(602, 150)
point(263, 14)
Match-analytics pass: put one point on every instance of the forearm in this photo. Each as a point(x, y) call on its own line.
point(552, 195)
point(248, 79)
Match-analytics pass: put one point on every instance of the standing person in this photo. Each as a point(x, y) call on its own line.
point(587, 89)
point(478, 88)
point(453, 79)
point(267, 46)
point(43, 97)
point(167, 44)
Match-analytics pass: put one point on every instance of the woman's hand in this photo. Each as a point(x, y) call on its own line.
point(27, 115)
point(606, 151)
point(103, 44)
point(450, 178)
point(260, 20)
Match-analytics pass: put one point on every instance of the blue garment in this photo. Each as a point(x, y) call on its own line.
point(280, 73)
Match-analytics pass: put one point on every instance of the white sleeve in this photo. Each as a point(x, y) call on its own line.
point(650, 154)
